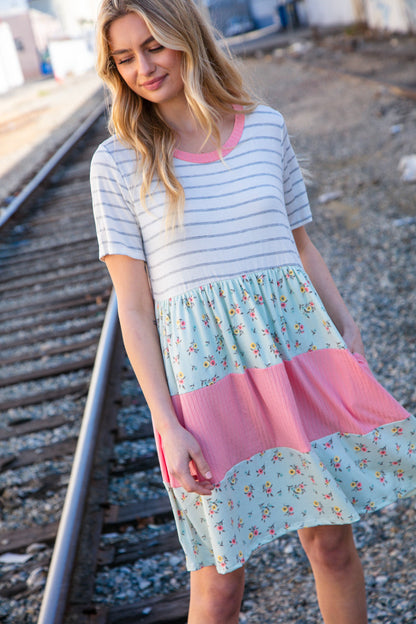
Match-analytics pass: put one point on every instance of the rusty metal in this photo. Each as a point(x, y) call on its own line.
point(57, 585)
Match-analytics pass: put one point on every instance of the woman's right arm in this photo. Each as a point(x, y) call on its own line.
point(141, 339)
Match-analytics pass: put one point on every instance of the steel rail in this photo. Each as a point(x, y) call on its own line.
point(60, 569)
point(50, 165)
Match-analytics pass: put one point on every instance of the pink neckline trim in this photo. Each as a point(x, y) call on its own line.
point(229, 145)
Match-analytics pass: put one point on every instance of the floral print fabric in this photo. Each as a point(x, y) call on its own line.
point(281, 490)
point(253, 321)
point(256, 323)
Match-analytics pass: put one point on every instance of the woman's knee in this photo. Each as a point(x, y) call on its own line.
point(330, 546)
point(218, 593)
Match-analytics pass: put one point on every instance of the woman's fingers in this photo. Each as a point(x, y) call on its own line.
point(186, 462)
point(201, 463)
point(199, 468)
point(190, 483)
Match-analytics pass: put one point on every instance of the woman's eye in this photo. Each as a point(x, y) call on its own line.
point(126, 60)
point(156, 49)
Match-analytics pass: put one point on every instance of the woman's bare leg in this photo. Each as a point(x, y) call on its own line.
point(338, 573)
point(215, 598)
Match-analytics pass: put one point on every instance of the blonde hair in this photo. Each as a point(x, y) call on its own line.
point(213, 86)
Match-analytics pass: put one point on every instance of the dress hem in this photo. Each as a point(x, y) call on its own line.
point(274, 492)
point(300, 526)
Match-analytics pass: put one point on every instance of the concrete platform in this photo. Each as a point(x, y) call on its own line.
point(35, 119)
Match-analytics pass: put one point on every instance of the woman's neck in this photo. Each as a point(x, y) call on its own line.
point(191, 137)
point(177, 114)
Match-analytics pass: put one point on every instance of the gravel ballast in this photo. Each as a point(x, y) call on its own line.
point(350, 134)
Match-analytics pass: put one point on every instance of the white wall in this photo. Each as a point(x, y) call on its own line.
point(410, 8)
point(10, 71)
point(12, 7)
point(76, 16)
point(45, 28)
point(25, 43)
point(71, 57)
point(332, 12)
point(391, 15)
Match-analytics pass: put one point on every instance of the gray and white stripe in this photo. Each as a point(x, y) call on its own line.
point(239, 212)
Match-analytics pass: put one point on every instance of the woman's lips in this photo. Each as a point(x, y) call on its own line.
point(152, 85)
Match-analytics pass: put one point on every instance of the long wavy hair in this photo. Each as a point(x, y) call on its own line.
point(213, 87)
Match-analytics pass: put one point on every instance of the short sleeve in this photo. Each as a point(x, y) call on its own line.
point(296, 198)
point(118, 230)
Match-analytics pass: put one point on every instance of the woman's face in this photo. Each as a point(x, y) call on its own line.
point(149, 69)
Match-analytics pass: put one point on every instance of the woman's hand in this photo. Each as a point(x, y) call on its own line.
point(353, 340)
point(183, 454)
point(184, 459)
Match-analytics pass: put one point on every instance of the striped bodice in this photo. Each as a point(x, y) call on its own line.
point(239, 210)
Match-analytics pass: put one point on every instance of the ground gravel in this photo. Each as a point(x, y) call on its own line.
point(50, 383)
point(66, 407)
point(350, 134)
point(343, 130)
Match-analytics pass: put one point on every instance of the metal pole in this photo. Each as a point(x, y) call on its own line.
point(60, 569)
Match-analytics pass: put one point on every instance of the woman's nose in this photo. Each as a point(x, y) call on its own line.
point(145, 64)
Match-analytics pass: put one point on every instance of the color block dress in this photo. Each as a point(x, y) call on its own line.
point(295, 428)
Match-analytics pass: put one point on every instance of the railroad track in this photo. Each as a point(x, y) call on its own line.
point(128, 519)
point(54, 404)
point(52, 305)
point(55, 298)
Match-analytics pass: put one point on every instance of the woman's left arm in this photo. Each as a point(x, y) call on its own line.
point(321, 278)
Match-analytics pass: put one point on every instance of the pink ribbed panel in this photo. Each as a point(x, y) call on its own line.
point(229, 145)
point(288, 405)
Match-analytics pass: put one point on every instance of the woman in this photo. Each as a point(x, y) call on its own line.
point(266, 416)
